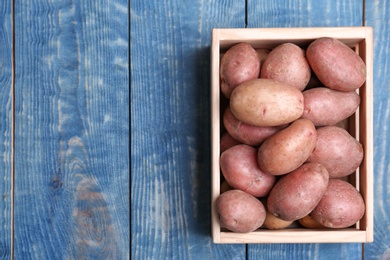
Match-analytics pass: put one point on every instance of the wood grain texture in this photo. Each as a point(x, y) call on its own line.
point(305, 13)
point(170, 127)
point(376, 15)
point(5, 127)
point(72, 130)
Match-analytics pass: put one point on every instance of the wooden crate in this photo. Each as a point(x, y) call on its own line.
point(359, 125)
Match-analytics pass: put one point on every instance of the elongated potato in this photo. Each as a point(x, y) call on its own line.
point(266, 102)
point(245, 133)
point(324, 106)
point(287, 63)
point(337, 150)
point(240, 169)
point(239, 64)
point(336, 65)
point(296, 194)
point(340, 207)
point(240, 212)
point(288, 149)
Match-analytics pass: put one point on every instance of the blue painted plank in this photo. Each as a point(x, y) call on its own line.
point(170, 127)
point(72, 130)
point(5, 127)
point(305, 13)
point(377, 16)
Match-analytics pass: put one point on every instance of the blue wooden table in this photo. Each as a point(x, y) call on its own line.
point(170, 122)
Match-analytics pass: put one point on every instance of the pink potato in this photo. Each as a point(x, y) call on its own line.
point(239, 64)
point(240, 169)
point(324, 106)
point(245, 133)
point(336, 65)
point(287, 63)
point(341, 206)
point(240, 212)
point(296, 194)
point(337, 150)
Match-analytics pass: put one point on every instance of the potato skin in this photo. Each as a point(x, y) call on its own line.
point(266, 102)
point(274, 223)
point(288, 149)
point(340, 207)
point(309, 222)
point(240, 169)
point(336, 65)
point(239, 64)
point(240, 212)
point(324, 106)
point(287, 63)
point(296, 194)
point(226, 142)
point(245, 133)
point(337, 150)
point(263, 53)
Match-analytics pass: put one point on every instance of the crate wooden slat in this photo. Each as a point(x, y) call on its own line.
point(358, 38)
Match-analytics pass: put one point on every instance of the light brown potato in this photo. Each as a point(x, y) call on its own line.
point(266, 102)
point(240, 170)
point(272, 222)
point(227, 141)
point(287, 63)
point(239, 64)
point(245, 133)
point(324, 106)
point(309, 222)
point(336, 65)
point(288, 149)
point(240, 212)
point(337, 150)
point(340, 207)
point(296, 194)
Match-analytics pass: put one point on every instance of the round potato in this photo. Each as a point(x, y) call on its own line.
point(324, 106)
point(240, 169)
point(340, 207)
point(272, 222)
point(336, 65)
point(309, 222)
point(296, 194)
point(239, 64)
point(337, 150)
point(288, 149)
point(227, 141)
point(266, 102)
point(240, 212)
point(287, 63)
point(245, 133)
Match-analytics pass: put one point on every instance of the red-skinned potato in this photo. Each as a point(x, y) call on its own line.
point(240, 212)
point(337, 150)
point(324, 106)
point(287, 63)
point(289, 148)
point(239, 64)
point(227, 141)
point(336, 65)
point(340, 207)
point(266, 102)
point(296, 194)
point(240, 170)
point(245, 133)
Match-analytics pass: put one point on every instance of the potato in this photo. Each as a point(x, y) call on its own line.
point(266, 102)
point(225, 187)
point(263, 53)
point(272, 222)
point(240, 212)
point(287, 63)
point(296, 194)
point(245, 133)
point(337, 150)
point(288, 149)
point(240, 169)
point(227, 141)
point(239, 64)
point(324, 106)
point(340, 207)
point(309, 222)
point(336, 65)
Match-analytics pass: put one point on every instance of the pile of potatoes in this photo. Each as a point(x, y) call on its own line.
point(284, 157)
